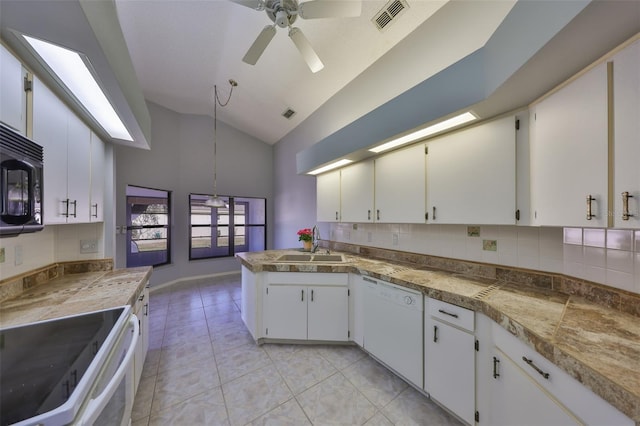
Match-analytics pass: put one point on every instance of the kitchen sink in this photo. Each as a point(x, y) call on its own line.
point(335, 258)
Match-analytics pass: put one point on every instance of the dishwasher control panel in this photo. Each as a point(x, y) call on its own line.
point(402, 296)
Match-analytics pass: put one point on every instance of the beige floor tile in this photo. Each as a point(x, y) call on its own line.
point(376, 382)
point(341, 356)
point(240, 360)
point(141, 422)
point(303, 369)
point(287, 414)
point(197, 331)
point(206, 408)
point(412, 408)
point(221, 309)
point(336, 401)
point(177, 385)
point(254, 395)
point(223, 340)
point(177, 356)
point(144, 398)
point(379, 420)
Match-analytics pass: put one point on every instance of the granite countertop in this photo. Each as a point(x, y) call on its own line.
point(597, 345)
point(73, 294)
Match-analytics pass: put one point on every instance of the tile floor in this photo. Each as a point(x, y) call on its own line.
point(203, 368)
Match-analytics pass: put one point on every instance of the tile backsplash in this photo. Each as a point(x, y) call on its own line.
point(610, 257)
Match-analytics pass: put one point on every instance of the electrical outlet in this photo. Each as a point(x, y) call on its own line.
point(88, 246)
point(1, 254)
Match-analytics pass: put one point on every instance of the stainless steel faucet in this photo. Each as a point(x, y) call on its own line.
point(315, 237)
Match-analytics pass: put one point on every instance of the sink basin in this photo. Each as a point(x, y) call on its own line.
point(294, 258)
point(327, 258)
point(310, 258)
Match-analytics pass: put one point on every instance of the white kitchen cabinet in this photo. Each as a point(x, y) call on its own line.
point(328, 197)
point(626, 117)
point(303, 306)
point(96, 193)
point(471, 175)
point(251, 307)
point(356, 308)
point(528, 389)
point(400, 186)
point(356, 192)
point(141, 310)
point(13, 100)
point(569, 145)
point(67, 158)
point(449, 358)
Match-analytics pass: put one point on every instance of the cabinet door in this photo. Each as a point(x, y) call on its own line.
point(286, 312)
point(356, 308)
point(449, 361)
point(96, 206)
point(13, 100)
point(328, 314)
point(356, 192)
point(517, 400)
point(626, 110)
point(400, 186)
point(471, 175)
point(79, 169)
point(50, 118)
point(328, 197)
point(569, 153)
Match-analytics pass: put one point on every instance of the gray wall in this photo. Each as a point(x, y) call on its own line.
point(181, 161)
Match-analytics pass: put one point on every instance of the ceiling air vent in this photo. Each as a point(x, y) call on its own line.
point(389, 13)
point(288, 113)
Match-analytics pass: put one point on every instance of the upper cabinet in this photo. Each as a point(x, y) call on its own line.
point(569, 146)
point(626, 125)
point(400, 186)
point(356, 192)
point(13, 107)
point(96, 193)
point(68, 163)
point(328, 197)
point(471, 175)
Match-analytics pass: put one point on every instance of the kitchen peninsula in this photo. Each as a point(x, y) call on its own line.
point(586, 331)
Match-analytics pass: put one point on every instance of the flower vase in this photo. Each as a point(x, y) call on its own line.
point(306, 245)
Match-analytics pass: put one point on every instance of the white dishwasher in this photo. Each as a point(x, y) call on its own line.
point(393, 321)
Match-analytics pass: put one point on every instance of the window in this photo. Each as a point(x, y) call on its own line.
point(225, 231)
point(148, 233)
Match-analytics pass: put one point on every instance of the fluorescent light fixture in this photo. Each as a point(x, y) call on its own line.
point(423, 133)
point(330, 166)
point(72, 70)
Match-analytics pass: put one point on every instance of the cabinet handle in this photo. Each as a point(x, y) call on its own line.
point(369, 214)
point(496, 361)
point(141, 297)
point(433, 215)
point(590, 199)
point(146, 309)
point(336, 215)
point(378, 214)
point(302, 295)
point(535, 367)
point(95, 206)
point(312, 295)
point(75, 207)
point(435, 334)
point(66, 210)
point(447, 313)
point(625, 205)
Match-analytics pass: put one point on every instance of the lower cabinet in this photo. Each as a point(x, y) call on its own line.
point(299, 311)
point(141, 310)
point(450, 358)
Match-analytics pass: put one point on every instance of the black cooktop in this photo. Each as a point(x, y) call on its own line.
point(41, 363)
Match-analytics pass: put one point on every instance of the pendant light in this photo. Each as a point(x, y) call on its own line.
point(215, 201)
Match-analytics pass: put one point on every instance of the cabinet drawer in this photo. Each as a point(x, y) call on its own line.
point(452, 314)
point(590, 408)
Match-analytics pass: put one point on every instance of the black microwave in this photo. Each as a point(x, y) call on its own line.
point(21, 185)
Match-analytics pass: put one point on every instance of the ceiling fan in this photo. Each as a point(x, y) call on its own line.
point(284, 13)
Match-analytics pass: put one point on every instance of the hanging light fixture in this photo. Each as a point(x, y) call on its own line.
point(216, 201)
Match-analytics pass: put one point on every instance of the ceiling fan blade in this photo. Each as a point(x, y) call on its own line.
point(330, 9)
point(258, 46)
point(252, 4)
point(303, 45)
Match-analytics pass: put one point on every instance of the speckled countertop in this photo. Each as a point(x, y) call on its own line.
point(73, 294)
point(597, 345)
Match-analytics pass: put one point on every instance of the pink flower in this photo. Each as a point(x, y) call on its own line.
point(305, 234)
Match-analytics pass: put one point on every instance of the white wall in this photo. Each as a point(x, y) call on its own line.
point(181, 161)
